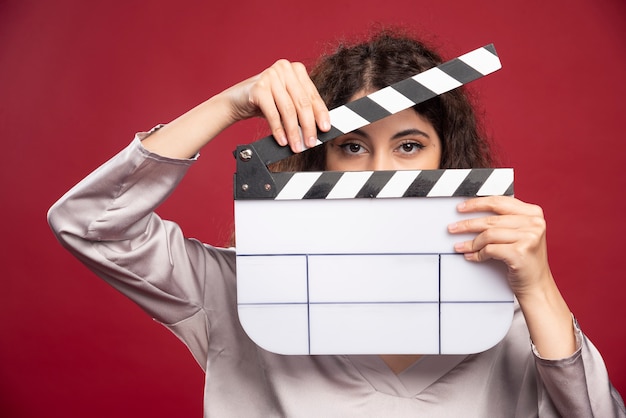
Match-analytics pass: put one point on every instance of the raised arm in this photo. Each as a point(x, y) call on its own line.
point(108, 221)
point(283, 94)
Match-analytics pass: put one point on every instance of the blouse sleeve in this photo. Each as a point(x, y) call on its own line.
point(578, 386)
point(108, 222)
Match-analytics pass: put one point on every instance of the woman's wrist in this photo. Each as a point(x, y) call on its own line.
point(549, 321)
point(186, 135)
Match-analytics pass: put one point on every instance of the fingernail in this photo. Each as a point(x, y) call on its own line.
point(458, 247)
point(325, 125)
point(453, 227)
point(461, 206)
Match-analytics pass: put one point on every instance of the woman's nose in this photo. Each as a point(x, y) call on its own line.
point(380, 161)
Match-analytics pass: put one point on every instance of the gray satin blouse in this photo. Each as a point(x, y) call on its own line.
point(108, 222)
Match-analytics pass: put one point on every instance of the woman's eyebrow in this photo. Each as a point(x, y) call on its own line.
point(407, 132)
point(360, 132)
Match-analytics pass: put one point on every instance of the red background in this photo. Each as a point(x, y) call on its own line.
point(78, 78)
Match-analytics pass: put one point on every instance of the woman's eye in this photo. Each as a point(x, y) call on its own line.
point(410, 147)
point(352, 148)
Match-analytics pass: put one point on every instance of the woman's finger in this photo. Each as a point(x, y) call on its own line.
point(488, 237)
point(291, 102)
point(321, 117)
point(261, 97)
point(478, 225)
point(501, 205)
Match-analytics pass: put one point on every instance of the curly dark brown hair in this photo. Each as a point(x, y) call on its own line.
point(387, 57)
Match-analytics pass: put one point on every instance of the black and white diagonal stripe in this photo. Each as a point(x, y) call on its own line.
point(390, 184)
point(414, 90)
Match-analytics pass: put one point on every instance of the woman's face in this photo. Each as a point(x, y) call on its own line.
point(402, 141)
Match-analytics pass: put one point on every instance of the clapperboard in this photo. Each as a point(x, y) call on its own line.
point(361, 262)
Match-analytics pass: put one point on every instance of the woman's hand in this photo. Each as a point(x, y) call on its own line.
point(285, 95)
point(516, 235)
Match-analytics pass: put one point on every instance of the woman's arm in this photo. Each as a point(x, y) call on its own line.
point(516, 235)
point(283, 94)
point(570, 368)
point(108, 221)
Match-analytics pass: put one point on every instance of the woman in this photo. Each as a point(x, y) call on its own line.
point(108, 222)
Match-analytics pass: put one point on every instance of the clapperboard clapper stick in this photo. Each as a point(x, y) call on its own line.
point(361, 262)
